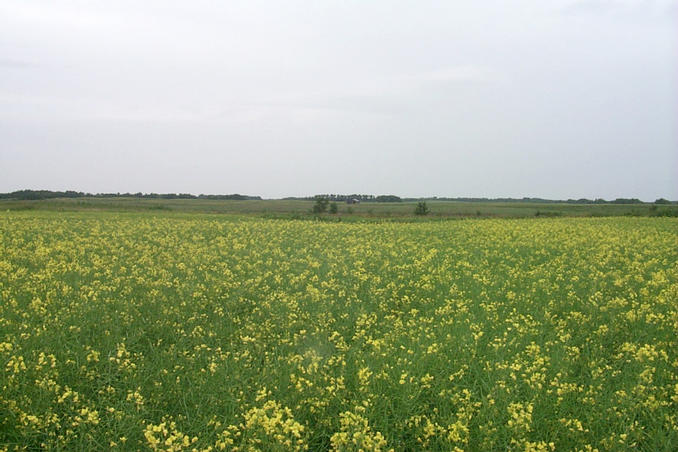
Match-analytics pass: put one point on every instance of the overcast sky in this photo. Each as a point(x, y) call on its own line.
point(556, 99)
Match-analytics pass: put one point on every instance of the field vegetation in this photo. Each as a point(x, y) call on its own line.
point(380, 211)
point(163, 330)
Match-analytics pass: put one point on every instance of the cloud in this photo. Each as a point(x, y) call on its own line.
point(635, 8)
point(594, 6)
point(12, 63)
point(455, 74)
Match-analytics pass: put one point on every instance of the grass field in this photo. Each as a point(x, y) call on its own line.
point(294, 209)
point(165, 331)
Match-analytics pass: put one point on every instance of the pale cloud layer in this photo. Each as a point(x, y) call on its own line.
point(560, 99)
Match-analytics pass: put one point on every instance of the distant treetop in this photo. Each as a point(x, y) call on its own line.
point(28, 195)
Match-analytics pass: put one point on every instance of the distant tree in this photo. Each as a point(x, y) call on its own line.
point(662, 201)
point(321, 203)
point(387, 198)
point(627, 201)
point(421, 209)
point(334, 208)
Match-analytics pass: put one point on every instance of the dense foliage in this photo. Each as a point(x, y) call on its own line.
point(33, 195)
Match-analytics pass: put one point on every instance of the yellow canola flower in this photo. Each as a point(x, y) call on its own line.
point(356, 435)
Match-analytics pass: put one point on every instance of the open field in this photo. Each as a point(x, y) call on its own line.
point(302, 209)
point(165, 331)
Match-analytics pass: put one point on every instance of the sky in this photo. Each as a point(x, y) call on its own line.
point(556, 99)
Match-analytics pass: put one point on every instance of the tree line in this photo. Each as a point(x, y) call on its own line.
point(545, 201)
point(28, 195)
point(344, 198)
point(393, 198)
point(32, 195)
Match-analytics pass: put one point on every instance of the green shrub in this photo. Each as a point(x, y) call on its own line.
point(320, 205)
point(421, 209)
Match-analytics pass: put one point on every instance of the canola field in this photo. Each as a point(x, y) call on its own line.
point(124, 331)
